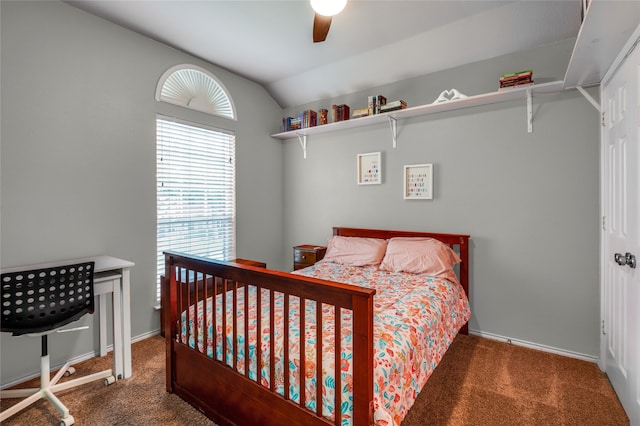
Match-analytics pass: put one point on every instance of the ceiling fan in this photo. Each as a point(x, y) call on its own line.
point(324, 10)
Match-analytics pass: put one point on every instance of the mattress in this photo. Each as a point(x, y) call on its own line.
point(416, 317)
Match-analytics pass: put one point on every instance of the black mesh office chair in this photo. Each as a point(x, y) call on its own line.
point(39, 302)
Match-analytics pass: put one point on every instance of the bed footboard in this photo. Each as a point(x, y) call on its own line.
point(214, 372)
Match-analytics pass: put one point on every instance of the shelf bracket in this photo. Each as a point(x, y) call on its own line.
point(393, 123)
point(303, 143)
point(588, 97)
point(529, 112)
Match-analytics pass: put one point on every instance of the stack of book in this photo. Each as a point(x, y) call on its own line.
point(375, 103)
point(374, 106)
point(290, 123)
point(393, 106)
point(516, 79)
point(308, 118)
point(340, 112)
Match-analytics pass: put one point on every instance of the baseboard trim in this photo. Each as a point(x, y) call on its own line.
point(145, 335)
point(76, 360)
point(478, 333)
point(537, 346)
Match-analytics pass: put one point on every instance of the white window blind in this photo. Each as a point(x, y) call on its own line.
point(195, 191)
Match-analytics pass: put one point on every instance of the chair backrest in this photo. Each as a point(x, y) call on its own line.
point(39, 300)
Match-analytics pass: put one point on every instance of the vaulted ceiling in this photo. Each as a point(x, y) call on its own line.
point(370, 43)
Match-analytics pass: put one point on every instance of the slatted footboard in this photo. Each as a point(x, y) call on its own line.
point(222, 375)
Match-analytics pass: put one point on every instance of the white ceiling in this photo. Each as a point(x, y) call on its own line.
point(370, 43)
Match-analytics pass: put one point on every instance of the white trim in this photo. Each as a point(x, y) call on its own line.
point(76, 359)
point(588, 97)
point(602, 363)
point(146, 335)
point(537, 346)
point(622, 55)
point(193, 123)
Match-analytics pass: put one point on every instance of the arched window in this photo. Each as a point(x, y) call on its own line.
point(195, 170)
point(196, 88)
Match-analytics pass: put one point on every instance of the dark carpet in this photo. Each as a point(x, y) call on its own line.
point(478, 382)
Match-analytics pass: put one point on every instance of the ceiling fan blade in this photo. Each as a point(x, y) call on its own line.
point(321, 26)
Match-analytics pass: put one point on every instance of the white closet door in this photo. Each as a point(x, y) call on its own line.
point(621, 236)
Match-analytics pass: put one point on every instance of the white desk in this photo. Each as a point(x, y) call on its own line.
point(111, 277)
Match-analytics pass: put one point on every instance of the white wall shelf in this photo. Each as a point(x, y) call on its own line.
point(392, 117)
point(597, 49)
point(605, 29)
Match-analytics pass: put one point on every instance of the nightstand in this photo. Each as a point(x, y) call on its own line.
point(306, 255)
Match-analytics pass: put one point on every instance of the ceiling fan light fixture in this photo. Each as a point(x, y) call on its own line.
point(328, 7)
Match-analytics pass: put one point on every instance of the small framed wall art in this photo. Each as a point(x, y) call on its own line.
point(418, 182)
point(369, 168)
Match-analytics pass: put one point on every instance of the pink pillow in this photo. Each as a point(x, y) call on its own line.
point(355, 251)
point(420, 256)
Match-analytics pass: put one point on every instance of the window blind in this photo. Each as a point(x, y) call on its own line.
point(195, 191)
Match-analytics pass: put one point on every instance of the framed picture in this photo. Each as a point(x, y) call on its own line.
point(369, 168)
point(418, 182)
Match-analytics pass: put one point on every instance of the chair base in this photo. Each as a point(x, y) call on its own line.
point(47, 389)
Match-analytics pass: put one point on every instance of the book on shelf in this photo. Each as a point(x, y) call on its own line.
point(515, 75)
point(516, 82)
point(309, 118)
point(291, 123)
point(286, 124)
point(374, 103)
point(360, 112)
point(516, 79)
point(514, 86)
point(381, 101)
point(393, 106)
point(371, 104)
point(296, 124)
point(340, 112)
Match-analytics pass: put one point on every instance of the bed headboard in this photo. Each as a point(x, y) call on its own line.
point(452, 240)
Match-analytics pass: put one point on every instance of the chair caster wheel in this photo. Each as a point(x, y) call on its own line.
point(69, 372)
point(109, 380)
point(67, 421)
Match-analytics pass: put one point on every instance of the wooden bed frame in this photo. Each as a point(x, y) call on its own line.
point(228, 396)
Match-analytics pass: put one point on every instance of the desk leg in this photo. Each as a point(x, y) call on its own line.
point(118, 343)
point(103, 324)
point(126, 322)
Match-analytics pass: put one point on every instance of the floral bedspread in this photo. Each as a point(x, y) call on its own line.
point(416, 317)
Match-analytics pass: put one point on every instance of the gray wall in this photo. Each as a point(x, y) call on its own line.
point(528, 200)
point(77, 176)
point(78, 157)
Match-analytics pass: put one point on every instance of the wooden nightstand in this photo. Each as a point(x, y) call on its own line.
point(306, 255)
